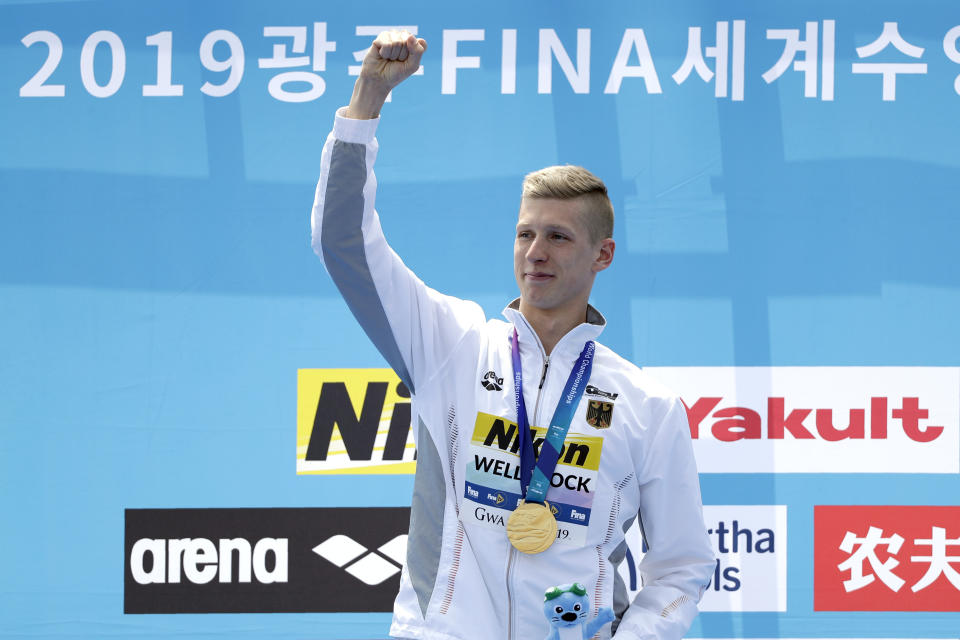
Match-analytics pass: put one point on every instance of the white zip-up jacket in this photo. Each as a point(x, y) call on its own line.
point(627, 455)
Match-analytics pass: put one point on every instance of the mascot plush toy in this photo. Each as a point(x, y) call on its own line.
point(566, 608)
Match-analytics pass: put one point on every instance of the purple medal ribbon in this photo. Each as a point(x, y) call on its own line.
point(535, 473)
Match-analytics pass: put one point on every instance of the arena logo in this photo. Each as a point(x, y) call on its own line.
point(367, 565)
point(263, 560)
point(821, 419)
point(353, 421)
point(886, 558)
point(199, 560)
point(491, 382)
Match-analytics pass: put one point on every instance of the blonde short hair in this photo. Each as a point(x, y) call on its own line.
point(569, 182)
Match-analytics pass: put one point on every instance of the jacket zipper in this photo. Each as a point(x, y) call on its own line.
point(513, 552)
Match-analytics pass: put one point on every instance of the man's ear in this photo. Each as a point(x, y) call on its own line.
point(604, 254)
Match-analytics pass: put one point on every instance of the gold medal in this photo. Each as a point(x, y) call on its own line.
point(531, 528)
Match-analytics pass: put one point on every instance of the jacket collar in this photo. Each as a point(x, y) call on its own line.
point(570, 345)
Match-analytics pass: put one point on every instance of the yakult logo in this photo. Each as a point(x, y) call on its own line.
point(737, 423)
point(886, 558)
point(821, 419)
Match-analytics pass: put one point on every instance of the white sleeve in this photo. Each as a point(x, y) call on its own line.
point(413, 326)
point(679, 560)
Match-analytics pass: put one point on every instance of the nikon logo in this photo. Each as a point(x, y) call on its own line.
point(353, 421)
point(506, 437)
point(199, 560)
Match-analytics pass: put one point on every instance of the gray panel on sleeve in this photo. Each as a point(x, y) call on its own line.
point(621, 597)
point(344, 254)
point(426, 518)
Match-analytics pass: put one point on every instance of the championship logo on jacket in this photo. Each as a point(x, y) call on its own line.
point(599, 414)
point(493, 477)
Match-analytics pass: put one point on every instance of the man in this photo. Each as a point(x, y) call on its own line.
point(503, 509)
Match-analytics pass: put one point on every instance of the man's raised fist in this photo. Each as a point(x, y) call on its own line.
point(393, 57)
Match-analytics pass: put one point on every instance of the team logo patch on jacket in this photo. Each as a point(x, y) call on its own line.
point(599, 414)
point(491, 382)
point(594, 391)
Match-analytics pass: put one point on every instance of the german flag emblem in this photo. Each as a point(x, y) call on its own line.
point(599, 414)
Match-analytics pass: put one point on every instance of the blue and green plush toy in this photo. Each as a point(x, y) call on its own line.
point(566, 608)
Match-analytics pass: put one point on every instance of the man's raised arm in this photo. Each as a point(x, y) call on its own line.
point(413, 326)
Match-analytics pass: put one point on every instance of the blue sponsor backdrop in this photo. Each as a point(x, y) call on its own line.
point(158, 292)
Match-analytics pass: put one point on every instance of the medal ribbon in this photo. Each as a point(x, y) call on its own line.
point(535, 472)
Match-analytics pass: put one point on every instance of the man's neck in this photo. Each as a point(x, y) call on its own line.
point(551, 325)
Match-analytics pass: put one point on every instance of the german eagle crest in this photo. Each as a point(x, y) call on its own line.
point(599, 414)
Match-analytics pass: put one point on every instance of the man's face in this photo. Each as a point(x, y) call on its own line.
point(554, 259)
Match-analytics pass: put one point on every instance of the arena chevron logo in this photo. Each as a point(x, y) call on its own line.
point(370, 567)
